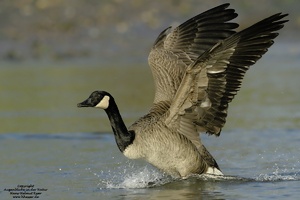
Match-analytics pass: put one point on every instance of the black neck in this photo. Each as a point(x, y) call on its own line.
point(122, 135)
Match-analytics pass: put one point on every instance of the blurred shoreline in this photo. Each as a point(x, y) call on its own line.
point(54, 53)
point(57, 30)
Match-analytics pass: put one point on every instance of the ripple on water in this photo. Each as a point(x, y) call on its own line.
point(130, 176)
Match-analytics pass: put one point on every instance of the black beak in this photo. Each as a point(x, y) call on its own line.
point(86, 103)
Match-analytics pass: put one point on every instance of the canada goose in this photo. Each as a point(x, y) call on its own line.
point(197, 68)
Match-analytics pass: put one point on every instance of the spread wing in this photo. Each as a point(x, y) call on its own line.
point(175, 49)
point(212, 81)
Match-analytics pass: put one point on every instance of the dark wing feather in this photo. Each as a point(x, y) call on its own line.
point(199, 33)
point(224, 66)
point(250, 44)
point(175, 49)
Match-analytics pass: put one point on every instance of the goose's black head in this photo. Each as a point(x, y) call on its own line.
point(98, 99)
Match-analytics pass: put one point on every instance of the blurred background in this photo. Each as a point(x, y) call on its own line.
point(54, 53)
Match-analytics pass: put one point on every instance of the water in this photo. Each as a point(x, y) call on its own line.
point(48, 144)
point(261, 164)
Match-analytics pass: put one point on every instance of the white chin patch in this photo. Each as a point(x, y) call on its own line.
point(104, 103)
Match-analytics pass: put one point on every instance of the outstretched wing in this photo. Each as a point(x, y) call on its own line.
point(212, 81)
point(175, 49)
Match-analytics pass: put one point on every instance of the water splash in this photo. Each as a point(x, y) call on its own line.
point(131, 176)
point(134, 177)
point(214, 178)
point(143, 178)
point(126, 175)
point(283, 169)
point(279, 175)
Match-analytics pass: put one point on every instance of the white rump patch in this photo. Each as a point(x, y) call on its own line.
point(104, 103)
point(214, 171)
